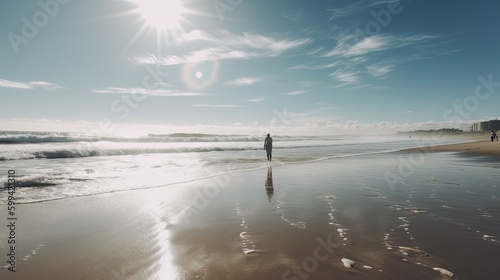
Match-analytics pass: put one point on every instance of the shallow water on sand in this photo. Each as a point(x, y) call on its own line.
point(441, 217)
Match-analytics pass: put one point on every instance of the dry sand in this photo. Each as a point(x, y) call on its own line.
point(478, 148)
point(440, 215)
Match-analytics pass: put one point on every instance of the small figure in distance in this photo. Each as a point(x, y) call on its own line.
point(493, 135)
point(268, 146)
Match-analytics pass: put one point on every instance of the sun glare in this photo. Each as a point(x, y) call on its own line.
point(160, 14)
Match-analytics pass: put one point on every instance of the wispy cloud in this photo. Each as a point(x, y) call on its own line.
point(343, 12)
point(316, 67)
point(356, 59)
point(380, 70)
point(144, 91)
point(306, 83)
point(224, 45)
point(353, 57)
point(216, 105)
point(12, 84)
point(244, 81)
point(296, 92)
point(258, 99)
point(359, 6)
point(30, 85)
point(352, 47)
point(346, 77)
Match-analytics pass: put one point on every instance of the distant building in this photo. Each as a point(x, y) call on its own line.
point(486, 126)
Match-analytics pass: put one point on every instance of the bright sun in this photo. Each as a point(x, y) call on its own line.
point(160, 14)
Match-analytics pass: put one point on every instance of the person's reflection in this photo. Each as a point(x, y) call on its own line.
point(269, 183)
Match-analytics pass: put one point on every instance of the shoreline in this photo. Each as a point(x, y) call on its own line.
point(484, 148)
point(474, 148)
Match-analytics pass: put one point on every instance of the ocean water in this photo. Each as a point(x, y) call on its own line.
point(51, 165)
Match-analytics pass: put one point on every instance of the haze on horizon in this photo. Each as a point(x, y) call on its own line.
point(301, 67)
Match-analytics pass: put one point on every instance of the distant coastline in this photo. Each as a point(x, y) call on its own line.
point(443, 131)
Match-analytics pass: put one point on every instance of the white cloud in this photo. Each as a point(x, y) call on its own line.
point(12, 84)
point(296, 92)
point(357, 58)
point(296, 124)
point(368, 45)
point(30, 85)
point(258, 99)
point(46, 85)
point(144, 91)
point(216, 105)
point(380, 70)
point(316, 67)
point(346, 77)
point(349, 46)
point(244, 81)
point(224, 45)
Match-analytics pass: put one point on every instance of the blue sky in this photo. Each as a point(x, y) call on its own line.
point(244, 66)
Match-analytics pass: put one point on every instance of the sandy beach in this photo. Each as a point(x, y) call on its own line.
point(383, 216)
point(478, 148)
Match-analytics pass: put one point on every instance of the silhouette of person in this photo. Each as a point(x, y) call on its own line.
point(269, 184)
point(493, 135)
point(268, 146)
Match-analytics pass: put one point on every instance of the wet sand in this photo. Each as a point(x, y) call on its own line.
point(394, 215)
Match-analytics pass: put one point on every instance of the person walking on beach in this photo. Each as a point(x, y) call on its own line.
point(493, 135)
point(268, 146)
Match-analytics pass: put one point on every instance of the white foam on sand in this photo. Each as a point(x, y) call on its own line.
point(342, 232)
point(367, 267)
point(491, 238)
point(408, 251)
point(246, 243)
point(33, 252)
point(279, 206)
point(387, 243)
point(444, 271)
point(347, 262)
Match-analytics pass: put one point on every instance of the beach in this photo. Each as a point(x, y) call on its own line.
point(397, 215)
point(485, 148)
